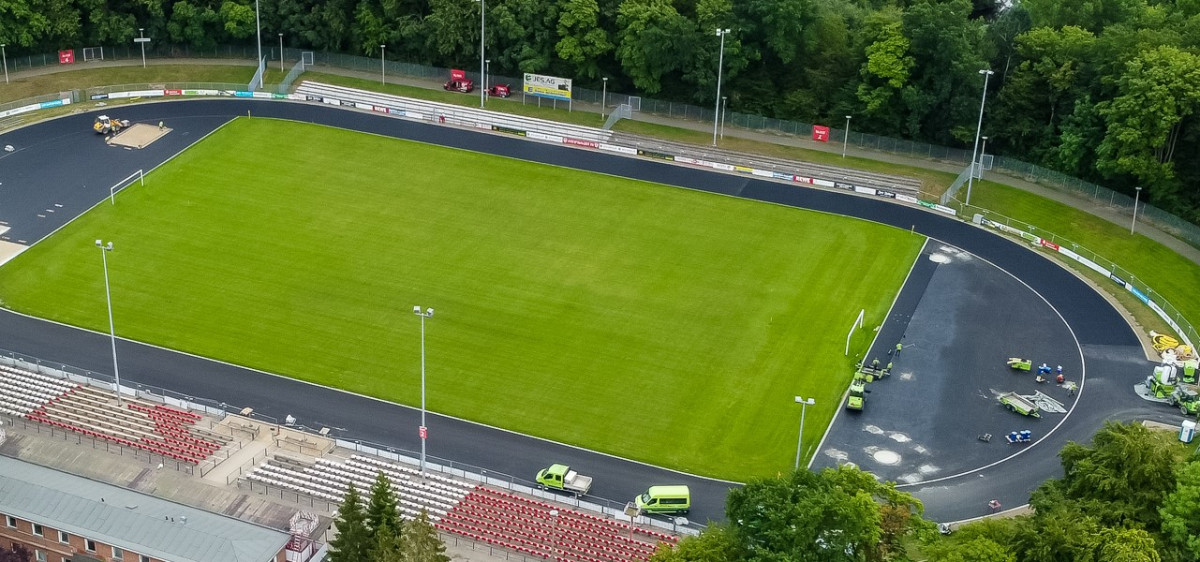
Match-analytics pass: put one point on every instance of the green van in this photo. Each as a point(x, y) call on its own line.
point(665, 499)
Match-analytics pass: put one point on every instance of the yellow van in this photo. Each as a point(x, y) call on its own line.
point(665, 499)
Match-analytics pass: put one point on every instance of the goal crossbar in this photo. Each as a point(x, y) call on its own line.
point(858, 322)
point(112, 191)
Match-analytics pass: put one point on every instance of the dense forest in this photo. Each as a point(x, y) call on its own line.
point(1104, 90)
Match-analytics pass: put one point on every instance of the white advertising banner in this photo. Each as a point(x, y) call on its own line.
point(552, 87)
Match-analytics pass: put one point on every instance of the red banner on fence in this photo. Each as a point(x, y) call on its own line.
point(456, 74)
point(821, 133)
point(66, 57)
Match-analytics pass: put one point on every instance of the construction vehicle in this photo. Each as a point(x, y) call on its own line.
point(1162, 383)
point(858, 392)
point(561, 477)
point(105, 125)
point(459, 82)
point(874, 370)
point(1186, 399)
point(1019, 404)
point(1018, 364)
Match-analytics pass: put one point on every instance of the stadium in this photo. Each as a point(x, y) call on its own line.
point(583, 299)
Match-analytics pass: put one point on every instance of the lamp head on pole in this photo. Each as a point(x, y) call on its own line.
point(986, 71)
point(106, 247)
point(427, 314)
point(721, 32)
point(806, 402)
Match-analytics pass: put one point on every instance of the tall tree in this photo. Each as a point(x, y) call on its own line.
point(1180, 512)
point(581, 41)
point(1122, 478)
point(716, 544)
point(353, 540)
point(1158, 91)
point(421, 542)
point(830, 515)
point(17, 553)
point(650, 40)
point(387, 545)
point(382, 509)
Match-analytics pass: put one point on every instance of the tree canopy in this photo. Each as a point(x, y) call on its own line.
point(1105, 90)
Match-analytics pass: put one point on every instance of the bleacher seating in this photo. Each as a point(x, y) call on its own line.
point(491, 516)
point(455, 114)
point(154, 428)
point(528, 526)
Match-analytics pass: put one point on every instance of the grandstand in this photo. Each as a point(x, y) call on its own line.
point(276, 460)
point(154, 428)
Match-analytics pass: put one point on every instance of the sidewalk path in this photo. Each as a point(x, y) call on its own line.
point(1107, 213)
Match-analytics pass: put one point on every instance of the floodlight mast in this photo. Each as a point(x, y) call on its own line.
point(423, 432)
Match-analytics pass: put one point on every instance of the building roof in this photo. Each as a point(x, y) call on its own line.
point(130, 520)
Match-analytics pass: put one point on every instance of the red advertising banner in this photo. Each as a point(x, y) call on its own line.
point(173, 92)
point(456, 74)
point(1048, 244)
point(820, 133)
point(581, 142)
point(66, 57)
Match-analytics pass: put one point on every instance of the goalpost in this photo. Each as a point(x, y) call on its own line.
point(112, 191)
point(858, 322)
point(93, 53)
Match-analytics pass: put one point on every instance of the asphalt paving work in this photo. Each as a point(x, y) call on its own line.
point(959, 318)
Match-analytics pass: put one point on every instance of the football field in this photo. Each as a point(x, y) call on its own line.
point(655, 323)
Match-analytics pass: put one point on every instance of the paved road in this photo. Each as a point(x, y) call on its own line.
point(1096, 325)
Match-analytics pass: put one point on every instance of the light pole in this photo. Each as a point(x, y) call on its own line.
point(487, 74)
point(482, 63)
point(804, 404)
point(1136, 195)
point(4, 54)
point(724, 105)
point(604, 97)
point(846, 138)
point(104, 250)
point(978, 127)
point(382, 66)
point(720, 62)
point(423, 432)
point(142, 36)
point(281, 52)
point(258, 30)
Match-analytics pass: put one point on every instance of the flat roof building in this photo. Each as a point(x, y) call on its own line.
point(63, 517)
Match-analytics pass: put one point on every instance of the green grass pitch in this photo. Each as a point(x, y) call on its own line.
point(660, 324)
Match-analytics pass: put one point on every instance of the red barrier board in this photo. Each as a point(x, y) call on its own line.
point(821, 133)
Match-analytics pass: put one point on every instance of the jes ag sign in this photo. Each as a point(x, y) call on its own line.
point(551, 87)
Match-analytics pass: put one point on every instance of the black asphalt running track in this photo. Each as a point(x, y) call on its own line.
point(60, 168)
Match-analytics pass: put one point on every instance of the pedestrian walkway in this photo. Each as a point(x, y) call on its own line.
point(1110, 214)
